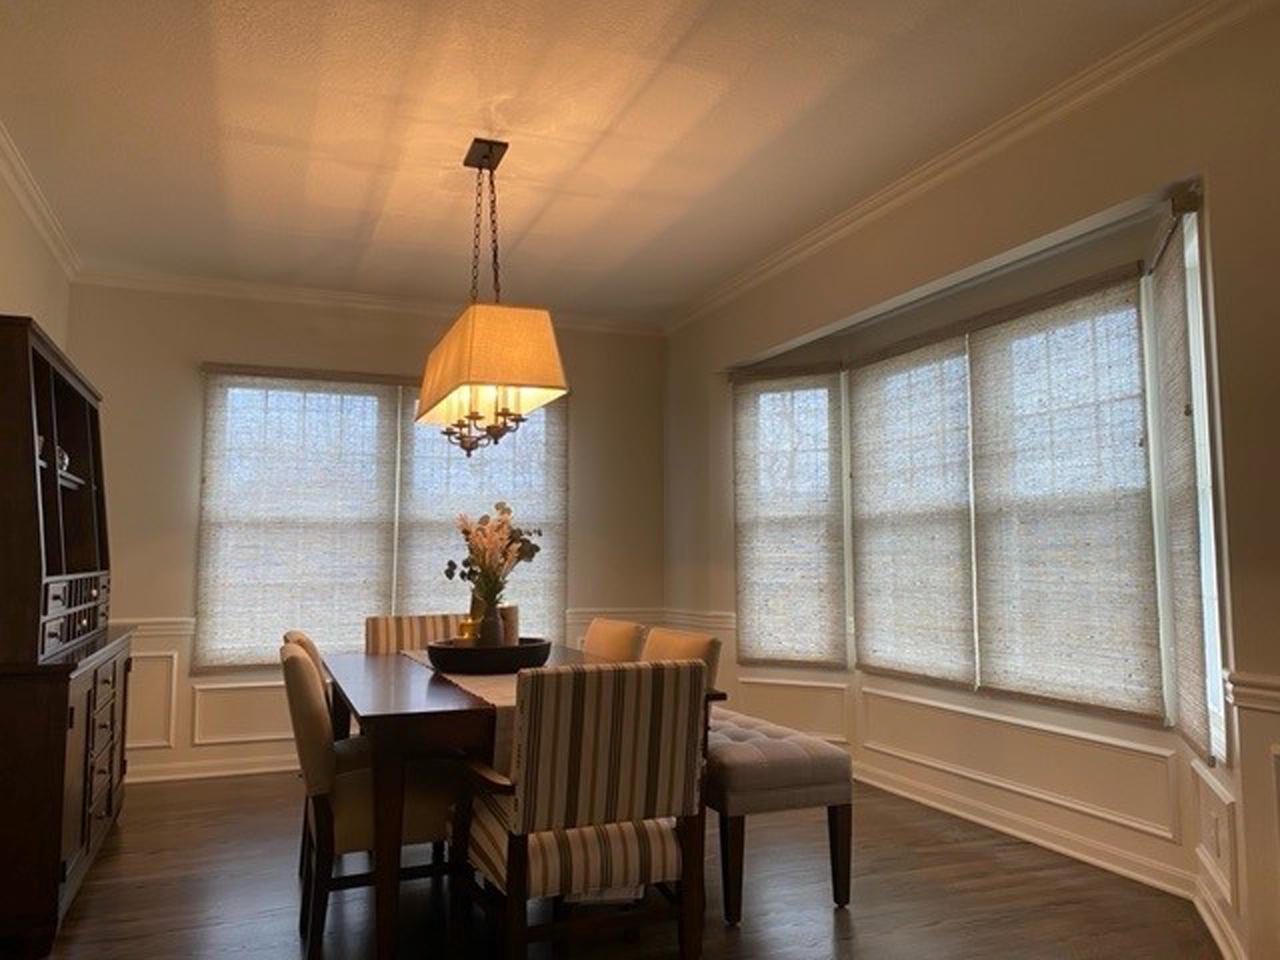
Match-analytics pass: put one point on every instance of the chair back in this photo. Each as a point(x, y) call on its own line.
point(309, 717)
point(607, 743)
point(663, 643)
point(309, 647)
point(393, 634)
point(615, 640)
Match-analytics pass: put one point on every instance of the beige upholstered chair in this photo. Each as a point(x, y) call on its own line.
point(351, 753)
point(339, 814)
point(578, 816)
point(310, 649)
point(663, 643)
point(393, 634)
point(616, 640)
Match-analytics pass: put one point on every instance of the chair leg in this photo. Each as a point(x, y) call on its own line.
point(308, 873)
point(437, 852)
point(516, 906)
point(302, 845)
point(460, 875)
point(732, 842)
point(692, 896)
point(321, 878)
point(840, 833)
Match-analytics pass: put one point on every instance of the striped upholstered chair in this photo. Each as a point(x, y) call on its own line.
point(393, 634)
point(603, 796)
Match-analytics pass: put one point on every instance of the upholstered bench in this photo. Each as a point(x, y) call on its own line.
point(754, 766)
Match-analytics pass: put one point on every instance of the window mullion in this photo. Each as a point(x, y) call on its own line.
point(973, 517)
point(395, 503)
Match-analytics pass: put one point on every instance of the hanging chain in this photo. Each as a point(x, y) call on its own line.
point(475, 239)
point(493, 235)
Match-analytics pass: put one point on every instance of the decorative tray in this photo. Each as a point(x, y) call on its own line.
point(456, 656)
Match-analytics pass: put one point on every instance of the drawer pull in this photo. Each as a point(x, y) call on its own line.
point(94, 593)
point(104, 725)
point(102, 772)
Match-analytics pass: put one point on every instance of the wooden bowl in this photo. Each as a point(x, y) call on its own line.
point(460, 656)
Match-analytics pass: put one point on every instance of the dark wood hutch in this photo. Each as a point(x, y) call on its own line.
point(63, 669)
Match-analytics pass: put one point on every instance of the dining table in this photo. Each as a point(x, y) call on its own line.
point(408, 710)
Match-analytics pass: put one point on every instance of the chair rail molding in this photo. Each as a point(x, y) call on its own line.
point(1254, 691)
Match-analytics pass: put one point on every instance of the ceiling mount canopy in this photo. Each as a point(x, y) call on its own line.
point(497, 363)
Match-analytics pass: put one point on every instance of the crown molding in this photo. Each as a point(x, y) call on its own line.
point(1130, 60)
point(336, 299)
point(31, 198)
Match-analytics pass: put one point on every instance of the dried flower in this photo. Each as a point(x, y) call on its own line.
point(494, 547)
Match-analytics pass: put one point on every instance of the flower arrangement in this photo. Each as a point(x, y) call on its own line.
point(494, 546)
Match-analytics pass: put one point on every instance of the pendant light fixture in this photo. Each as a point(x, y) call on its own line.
point(497, 363)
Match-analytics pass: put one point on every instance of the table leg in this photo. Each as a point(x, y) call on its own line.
point(340, 717)
point(388, 821)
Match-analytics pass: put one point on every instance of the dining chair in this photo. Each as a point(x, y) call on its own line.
point(339, 806)
point(615, 640)
point(414, 632)
point(607, 801)
point(663, 643)
point(350, 753)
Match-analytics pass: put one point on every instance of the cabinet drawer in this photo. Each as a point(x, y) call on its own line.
point(52, 635)
point(106, 679)
point(104, 726)
point(55, 597)
point(100, 772)
point(101, 814)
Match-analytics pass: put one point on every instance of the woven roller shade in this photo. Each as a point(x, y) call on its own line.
point(1064, 556)
point(528, 469)
point(788, 498)
point(911, 551)
point(296, 514)
point(1179, 487)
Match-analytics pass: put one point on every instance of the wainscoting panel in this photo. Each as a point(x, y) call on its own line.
point(245, 712)
point(812, 706)
point(153, 700)
point(1216, 842)
point(1130, 784)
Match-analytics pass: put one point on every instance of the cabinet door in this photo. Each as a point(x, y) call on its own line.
point(75, 800)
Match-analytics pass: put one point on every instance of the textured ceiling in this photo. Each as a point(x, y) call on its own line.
point(658, 146)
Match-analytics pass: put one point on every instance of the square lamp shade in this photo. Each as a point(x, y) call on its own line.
point(494, 357)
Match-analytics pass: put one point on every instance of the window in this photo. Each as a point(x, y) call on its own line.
point(323, 503)
point(910, 509)
point(788, 493)
point(1184, 496)
point(1029, 505)
point(1065, 572)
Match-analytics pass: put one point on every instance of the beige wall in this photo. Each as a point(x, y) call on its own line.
point(1211, 108)
point(32, 282)
point(143, 350)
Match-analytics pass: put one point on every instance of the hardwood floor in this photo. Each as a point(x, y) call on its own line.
point(206, 869)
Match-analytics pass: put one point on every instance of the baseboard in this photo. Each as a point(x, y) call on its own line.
point(1224, 934)
point(1182, 883)
point(209, 769)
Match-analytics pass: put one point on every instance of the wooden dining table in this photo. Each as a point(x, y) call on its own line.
point(406, 710)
